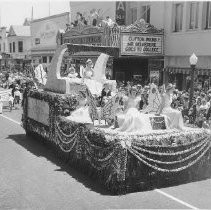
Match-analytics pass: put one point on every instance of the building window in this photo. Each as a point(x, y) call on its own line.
point(10, 47)
point(20, 46)
point(37, 40)
point(178, 16)
point(194, 15)
point(4, 47)
point(145, 13)
point(0, 47)
point(206, 15)
point(44, 59)
point(133, 12)
point(13, 46)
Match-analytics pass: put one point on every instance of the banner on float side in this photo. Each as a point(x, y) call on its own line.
point(5, 94)
point(38, 110)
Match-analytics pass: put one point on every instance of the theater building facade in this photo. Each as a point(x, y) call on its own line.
point(141, 53)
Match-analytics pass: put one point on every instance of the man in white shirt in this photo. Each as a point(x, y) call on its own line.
point(109, 21)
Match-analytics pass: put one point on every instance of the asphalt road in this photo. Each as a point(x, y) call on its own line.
point(32, 178)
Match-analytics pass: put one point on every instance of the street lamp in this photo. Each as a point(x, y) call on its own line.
point(0, 62)
point(193, 61)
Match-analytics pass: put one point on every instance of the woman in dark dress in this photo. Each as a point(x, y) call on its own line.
point(106, 92)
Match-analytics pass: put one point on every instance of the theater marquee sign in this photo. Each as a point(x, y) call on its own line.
point(141, 44)
point(92, 40)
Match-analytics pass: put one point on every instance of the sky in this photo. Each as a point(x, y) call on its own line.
point(14, 12)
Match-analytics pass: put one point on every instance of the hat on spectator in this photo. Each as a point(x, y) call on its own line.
point(146, 87)
point(169, 86)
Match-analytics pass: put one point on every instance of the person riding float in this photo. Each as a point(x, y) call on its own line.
point(175, 119)
point(132, 120)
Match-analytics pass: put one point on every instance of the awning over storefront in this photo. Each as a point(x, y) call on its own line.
point(185, 70)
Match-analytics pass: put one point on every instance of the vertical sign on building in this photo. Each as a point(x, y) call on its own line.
point(120, 12)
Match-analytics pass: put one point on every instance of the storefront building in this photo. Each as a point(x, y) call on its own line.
point(3, 40)
point(187, 29)
point(44, 37)
point(19, 42)
point(3, 48)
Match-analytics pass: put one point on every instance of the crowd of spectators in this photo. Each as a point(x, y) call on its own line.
point(94, 20)
point(199, 113)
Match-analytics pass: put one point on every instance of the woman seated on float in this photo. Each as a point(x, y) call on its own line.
point(174, 117)
point(72, 74)
point(131, 120)
point(87, 75)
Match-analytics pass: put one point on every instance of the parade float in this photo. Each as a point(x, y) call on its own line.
point(121, 162)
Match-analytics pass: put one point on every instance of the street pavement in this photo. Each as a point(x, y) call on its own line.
point(31, 177)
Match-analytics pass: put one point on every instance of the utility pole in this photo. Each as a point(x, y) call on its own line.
point(49, 8)
point(32, 14)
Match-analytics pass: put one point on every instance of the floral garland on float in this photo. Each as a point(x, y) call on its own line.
point(123, 162)
point(124, 158)
point(59, 105)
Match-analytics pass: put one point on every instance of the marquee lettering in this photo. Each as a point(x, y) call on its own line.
point(85, 40)
point(133, 44)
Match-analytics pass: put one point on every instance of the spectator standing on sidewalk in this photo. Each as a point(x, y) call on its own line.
point(11, 101)
point(17, 95)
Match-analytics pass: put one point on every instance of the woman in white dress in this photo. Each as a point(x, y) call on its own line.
point(94, 86)
point(131, 120)
point(174, 117)
point(81, 114)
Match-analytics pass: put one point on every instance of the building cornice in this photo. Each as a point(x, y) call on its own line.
point(50, 17)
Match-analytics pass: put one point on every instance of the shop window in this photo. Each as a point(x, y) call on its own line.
point(133, 12)
point(20, 46)
point(177, 17)
point(206, 19)
point(13, 46)
point(193, 15)
point(44, 59)
point(50, 58)
point(10, 47)
point(145, 13)
point(120, 76)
